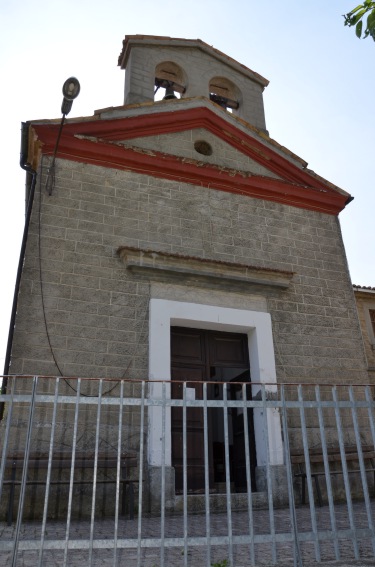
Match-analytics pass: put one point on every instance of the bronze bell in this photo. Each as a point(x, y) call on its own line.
point(169, 92)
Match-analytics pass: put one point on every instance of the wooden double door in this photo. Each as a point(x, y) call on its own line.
point(221, 359)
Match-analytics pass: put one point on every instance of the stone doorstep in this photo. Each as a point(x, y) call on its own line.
point(196, 503)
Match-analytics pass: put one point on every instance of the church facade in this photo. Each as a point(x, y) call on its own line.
point(180, 241)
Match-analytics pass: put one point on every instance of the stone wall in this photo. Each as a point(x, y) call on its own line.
point(96, 311)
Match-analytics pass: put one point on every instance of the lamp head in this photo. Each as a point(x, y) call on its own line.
point(70, 90)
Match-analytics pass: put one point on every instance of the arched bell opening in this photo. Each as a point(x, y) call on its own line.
point(225, 93)
point(170, 81)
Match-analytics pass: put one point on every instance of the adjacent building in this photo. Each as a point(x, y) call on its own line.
point(365, 299)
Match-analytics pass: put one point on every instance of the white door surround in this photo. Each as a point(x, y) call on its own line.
point(257, 325)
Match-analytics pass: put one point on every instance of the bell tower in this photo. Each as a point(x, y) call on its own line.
point(188, 69)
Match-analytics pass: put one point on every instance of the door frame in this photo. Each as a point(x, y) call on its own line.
point(258, 327)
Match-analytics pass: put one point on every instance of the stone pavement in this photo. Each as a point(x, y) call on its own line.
point(151, 555)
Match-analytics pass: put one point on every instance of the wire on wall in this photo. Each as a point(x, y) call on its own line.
point(143, 319)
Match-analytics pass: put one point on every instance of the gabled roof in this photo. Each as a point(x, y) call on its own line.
point(99, 140)
point(131, 40)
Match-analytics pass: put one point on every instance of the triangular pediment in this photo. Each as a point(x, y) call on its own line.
point(201, 145)
point(159, 140)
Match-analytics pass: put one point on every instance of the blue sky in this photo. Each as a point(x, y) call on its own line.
point(319, 102)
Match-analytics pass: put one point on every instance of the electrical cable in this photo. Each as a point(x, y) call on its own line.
point(50, 182)
point(30, 200)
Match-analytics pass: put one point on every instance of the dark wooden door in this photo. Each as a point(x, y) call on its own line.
point(188, 363)
point(197, 356)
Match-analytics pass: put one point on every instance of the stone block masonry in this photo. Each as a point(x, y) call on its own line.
point(82, 313)
point(97, 312)
point(198, 67)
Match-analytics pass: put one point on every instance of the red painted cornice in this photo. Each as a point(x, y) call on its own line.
point(97, 142)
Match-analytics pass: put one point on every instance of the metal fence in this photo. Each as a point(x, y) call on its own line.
point(89, 473)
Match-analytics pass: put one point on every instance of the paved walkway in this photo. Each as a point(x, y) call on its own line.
point(152, 555)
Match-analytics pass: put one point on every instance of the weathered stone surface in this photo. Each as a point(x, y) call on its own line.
point(87, 288)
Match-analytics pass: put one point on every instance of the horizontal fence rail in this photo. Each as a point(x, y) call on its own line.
point(149, 473)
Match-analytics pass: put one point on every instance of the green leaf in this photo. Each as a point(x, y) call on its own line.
point(371, 19)
point(360, 7)
point(358, 16)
